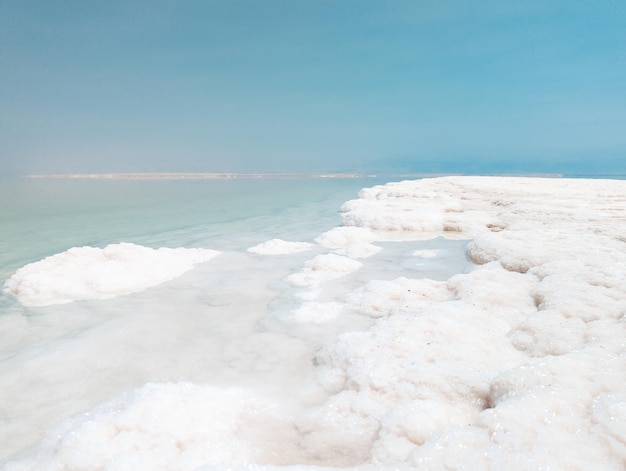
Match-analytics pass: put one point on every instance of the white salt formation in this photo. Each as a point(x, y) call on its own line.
point(425, 253)
point(280, 247)
point(172, 426)
point(519, 364)
point(351, 241)
point(94, 273)
point(324, 268)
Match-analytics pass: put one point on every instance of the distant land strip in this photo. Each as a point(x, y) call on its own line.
point(224, 175)
point(211, 176)
point(190, 176)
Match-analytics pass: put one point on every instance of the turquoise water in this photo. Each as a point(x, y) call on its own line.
point(42, 217)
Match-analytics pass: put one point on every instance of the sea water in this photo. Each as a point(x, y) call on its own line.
point(41, 217)
point(193, 324)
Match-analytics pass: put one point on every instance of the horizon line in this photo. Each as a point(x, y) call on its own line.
point(215, 175)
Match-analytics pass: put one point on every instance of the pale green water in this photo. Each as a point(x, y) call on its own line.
point(42, 217)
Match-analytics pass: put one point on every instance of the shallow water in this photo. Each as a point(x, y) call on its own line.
point(40, 217)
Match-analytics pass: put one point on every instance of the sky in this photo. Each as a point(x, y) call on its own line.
point(318, 86)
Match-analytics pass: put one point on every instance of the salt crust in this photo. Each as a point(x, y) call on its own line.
point(316, 312)
point(425, 253)
point(324, 268)
point(354, 242)
point(520, 364)
point(280, 247)
point(93, 273)
point(169, 426)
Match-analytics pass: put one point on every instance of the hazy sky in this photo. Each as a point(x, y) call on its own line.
point(129, 85)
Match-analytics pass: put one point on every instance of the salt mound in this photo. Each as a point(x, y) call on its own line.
point(279, 247)
point(324, 268)
point(354, 242)
point(425, 253)
point(92, 273)
point(316, 313)
point(380, 298)
point(170, 427)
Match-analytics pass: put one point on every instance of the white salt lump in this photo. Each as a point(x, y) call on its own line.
point(381, 298)
point(170, 427)
point(425, 253)
point(407, 357)
point(324, 268)
point(344, 236)
point(94, 273)
point(279, 247)
point(354, 242)
point(316, 312)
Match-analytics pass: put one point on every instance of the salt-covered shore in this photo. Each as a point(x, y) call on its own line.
point(518, 364)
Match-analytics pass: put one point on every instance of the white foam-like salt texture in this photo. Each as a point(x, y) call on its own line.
point(518, 364)
point(316, 313)
point(324, 268)
point(382, 298)
point(280, 247)
point(93, 273)
point(353, 242)
point(425, 253)
point(178, 426)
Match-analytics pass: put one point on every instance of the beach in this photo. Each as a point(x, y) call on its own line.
point(441, 323)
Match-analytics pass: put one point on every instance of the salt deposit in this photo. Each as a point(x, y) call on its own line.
point(94, 273)
point(279, 247)
point(355, 242)
point(324, 268)
point(518, 364)
point(170, 426)
point(316, 313)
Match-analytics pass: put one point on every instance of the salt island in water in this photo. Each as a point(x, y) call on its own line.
point(449, 323)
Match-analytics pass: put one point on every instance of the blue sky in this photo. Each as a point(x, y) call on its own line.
point(344, 85)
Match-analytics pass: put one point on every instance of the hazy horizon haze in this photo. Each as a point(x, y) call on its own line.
point(321, 86)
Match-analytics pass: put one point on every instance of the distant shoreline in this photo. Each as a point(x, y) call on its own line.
point(188, 176)
point(209, 176)
point(224, 175)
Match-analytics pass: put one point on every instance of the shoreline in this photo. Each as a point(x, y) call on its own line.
point(188, 176)
point(226, 175)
